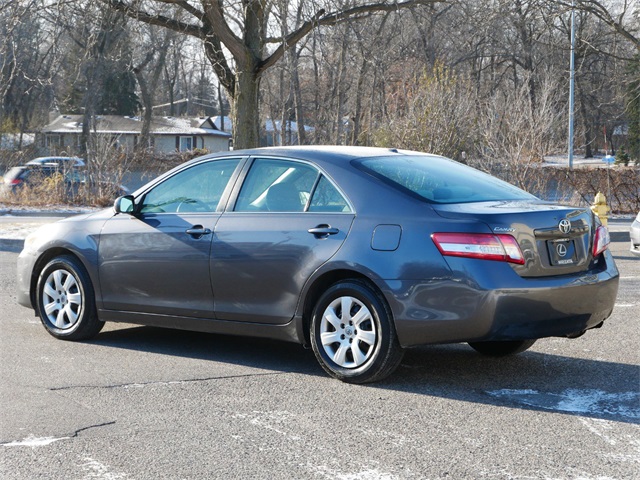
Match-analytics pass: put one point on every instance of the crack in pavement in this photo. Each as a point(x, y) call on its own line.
point(33, 442)
point(170, 382)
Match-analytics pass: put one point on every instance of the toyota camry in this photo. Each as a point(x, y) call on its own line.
point(358, 253)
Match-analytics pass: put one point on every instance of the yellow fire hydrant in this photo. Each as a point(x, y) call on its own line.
point(600, 207)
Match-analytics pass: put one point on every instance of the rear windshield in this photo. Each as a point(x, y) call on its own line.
point(440, 180)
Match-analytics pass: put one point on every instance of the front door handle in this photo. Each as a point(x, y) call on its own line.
point(323, 231)
point(197, 231)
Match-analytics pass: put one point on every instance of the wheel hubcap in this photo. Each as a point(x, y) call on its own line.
point(347, 332)
point(62, 299)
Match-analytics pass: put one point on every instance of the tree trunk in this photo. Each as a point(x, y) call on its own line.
point(341, 77)
point(246, 118)
point(297, 96)
point(147, 103)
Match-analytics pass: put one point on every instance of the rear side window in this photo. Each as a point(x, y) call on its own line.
point(276, 185)
point(326, 198)
point(440, 180)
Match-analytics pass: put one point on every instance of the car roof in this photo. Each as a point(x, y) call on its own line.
point(325, 153)
point(55, 160)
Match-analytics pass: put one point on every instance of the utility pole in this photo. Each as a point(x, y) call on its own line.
point(572, 74)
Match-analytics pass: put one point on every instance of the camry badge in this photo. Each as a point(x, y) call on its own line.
point(564, 225)
point(561, 248)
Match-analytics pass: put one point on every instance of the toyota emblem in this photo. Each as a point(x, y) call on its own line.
point(564, 225)
point(561, 248)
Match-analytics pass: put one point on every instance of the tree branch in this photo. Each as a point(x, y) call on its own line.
point(215, 17)
point(600, 11)
point(320, 19)
point(159, 20)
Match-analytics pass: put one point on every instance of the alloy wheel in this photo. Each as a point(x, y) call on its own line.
point(347, 332)
point(62, 299)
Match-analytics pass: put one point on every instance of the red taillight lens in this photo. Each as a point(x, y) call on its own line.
point(15, 181)
point(502, 248)
point(601, 240)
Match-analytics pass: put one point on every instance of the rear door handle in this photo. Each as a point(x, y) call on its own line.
point(197, 231)
point(323, 231)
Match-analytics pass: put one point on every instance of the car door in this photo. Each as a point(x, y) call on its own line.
point(157, 259)
point(288, 219)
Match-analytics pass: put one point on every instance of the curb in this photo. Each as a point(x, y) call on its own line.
point(38, 213)
point(11, 245)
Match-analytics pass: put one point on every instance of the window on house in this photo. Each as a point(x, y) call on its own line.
point(53, 140)
point(186, 143)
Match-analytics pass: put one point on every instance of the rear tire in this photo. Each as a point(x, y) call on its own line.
point(502, 348)
point(66, 300)
point(352, 334)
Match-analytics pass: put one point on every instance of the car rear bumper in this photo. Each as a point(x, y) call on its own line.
point(501, 307)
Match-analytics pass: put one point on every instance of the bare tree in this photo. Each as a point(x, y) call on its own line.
point(517, 136)
point(28, 48)
point(241, 30)
point(623, 16)
point(434, 112)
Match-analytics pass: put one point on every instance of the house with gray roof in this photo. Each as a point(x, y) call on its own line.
point(167, 134)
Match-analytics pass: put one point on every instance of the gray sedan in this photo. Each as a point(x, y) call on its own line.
point(357, 252)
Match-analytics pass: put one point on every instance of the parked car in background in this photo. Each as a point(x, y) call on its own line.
point(70, 173)
point(634, 234)
point(18, 177)
point(60, 161)
point(357, 252)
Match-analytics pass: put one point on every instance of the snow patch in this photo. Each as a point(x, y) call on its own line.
point(600, 428)
point(266, 420)
point(624, 404)
point(33, 442)
point(366, 474)
point(95, 469)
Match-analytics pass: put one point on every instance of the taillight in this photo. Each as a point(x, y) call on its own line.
point(601, 240)
point(15, 181)
point(485, 246)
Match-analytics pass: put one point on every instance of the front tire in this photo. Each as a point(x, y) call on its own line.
point(352, 334)
point(502, 348)
point(66, 300)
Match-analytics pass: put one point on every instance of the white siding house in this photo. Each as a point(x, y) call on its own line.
point(167, 134)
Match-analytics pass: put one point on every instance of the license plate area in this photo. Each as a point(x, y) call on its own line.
point(562, 252)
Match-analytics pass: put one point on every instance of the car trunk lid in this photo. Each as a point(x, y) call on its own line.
point(554, 239)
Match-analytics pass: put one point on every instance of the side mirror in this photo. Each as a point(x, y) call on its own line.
point(124, 204)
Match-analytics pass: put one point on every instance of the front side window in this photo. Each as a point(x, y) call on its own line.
point(196, 189)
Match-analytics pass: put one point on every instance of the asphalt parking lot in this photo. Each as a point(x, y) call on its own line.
point(147, 403)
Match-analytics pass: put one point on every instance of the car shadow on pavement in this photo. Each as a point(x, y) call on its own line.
point(247, 351)
point(532, 380)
